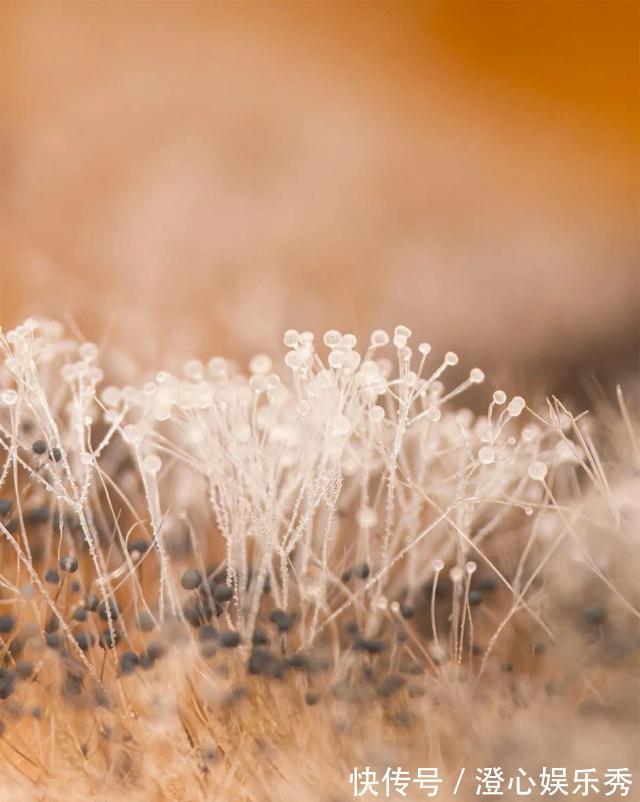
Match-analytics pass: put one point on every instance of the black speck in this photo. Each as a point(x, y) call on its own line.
point(259, 638)
point(407, 610)
point(128, 663)
point(475, 597)
point(362, 570)
point(370, 645)
point(486, 584)
point(52, 576)
point(7, 623)
point(85, 640)
point(109, 639)
point(113, 610)
point(230, 639)
point(594, 614)
point(283, 620)
point(191, 579)
point(139, 545)
point(68, 564)
point(223, 593)
point(24, 669)
point(156, 648)
point(207, 632)
point(391, 684)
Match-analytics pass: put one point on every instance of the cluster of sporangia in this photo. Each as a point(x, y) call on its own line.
point(97, 589)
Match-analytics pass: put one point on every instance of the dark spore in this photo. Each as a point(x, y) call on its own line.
point(80, 614)
point(85, 640)
point(139, 545)
point(7, 623)
point(407, 610)
point(594, 614)
point(538, 648)
point(145, 621)
point(402, 717)
point(24, 669)
point(262, 661)
point(128, 662)
point(156, 649)
point(370, 645)
point(109, 639)
point(15, 648)
point(68, 564)
point(207, 632)
point(362, 570)
point(311, 698)
point(91, 602)
point(36, 515)
point(346, 575)
point(208, 648)
point(197, 612)
point(507, 666)
point(101, 698)
point(7, 686)
point(39, 447)
point(53, 624)
point(6, 505)
point(230, 639)
point(282, 620)
point(259, 638)
point(486, 584)
point(390, 684)
point(146, 661)
point(52, 577)
point(223, 593)
point(56, 454)
point(191, 579)
point(236, 695)
point(75, 586)
point(301, 662)
point(475, 597)
point(113, 610)
point(414, 667)
point(53, 640)
point(72, 686)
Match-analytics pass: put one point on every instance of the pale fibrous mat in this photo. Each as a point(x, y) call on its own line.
point(229, 585)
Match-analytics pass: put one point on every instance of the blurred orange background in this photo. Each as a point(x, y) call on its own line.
point(193, 178)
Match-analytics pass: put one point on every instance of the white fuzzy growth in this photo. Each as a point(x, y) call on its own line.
point(271, 462)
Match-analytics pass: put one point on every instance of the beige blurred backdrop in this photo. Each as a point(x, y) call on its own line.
point(193, 178)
